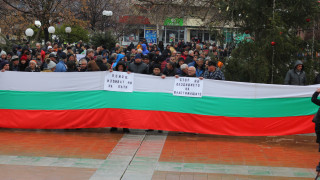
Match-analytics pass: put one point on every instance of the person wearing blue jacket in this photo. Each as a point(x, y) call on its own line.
point(144, 49)
point(61, 66)
point(119, 57)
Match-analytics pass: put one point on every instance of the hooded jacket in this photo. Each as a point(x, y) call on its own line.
point(295, 77)
point(144, 49)
point(119, 57)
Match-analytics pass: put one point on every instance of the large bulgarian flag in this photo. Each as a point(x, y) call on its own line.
point(78, 100)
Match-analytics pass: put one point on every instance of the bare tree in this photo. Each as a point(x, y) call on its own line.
point(47, 12)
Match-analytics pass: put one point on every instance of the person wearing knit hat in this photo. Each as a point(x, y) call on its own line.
point(156, 70)
point(32, 67)
point(3, 56)
point(138, 66)
point(4, 66)
point(3, 53)
point(138, 56)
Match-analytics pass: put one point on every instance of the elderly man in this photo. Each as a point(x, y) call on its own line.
point(184, 70)
point(90, 55)
point(39, 50)
point(189, 58)
point(83, 65)
point(213, 72)
point(51, 66)
point(191, 73)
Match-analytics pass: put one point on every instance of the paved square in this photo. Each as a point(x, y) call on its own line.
point(98, 154)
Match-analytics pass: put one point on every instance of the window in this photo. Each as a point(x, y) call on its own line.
point(141, 34)
point(174, 34)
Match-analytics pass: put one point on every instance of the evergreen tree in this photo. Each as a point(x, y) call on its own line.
point(269, 21)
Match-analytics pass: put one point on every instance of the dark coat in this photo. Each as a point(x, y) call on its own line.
point(317, 79)
point(168, 72)
point(316, 118)
point(295, 78)
point(141, 68)
point(28, 69)
point(189, 59)
point(103, 67)
point(316, 101)
point(166, 53)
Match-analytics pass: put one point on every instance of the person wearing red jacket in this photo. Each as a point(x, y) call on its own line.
point(39, 50)
point(185, 54)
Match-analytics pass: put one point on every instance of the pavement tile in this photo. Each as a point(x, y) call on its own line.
point(21, 172)
point(47, 143)
point(140, 155)
point(274, 151)
point(160, 175)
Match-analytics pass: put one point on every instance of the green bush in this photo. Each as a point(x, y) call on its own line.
point(106, 39)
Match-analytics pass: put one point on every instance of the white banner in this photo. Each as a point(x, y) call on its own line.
point(80, 56)
point(69, 81)
point(186, 86)
point(119, 81)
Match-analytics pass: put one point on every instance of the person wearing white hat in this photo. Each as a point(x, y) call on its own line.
point(3, 56)
point(51, 66)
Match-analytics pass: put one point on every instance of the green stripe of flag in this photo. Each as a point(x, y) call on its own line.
point(230, 107)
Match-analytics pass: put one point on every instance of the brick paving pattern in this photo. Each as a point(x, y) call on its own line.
point(96, 154)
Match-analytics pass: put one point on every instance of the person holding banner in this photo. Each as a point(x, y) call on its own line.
point(213, 72)
point(121, 67)
point(316, 118)
point(138, 66)
point(191, 73)
point(170, 69)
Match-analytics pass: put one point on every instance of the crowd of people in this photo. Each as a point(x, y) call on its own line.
point(180, 59)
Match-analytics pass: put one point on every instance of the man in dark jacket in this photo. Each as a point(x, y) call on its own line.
point(14, 64)
point(170, 69)
point(166, 53)
point(102, 66)
point(189, 58)
point(213, 72)
point(296, 76)
point(138, 66)
point(316, 118)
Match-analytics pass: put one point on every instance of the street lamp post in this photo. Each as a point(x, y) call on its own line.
point(38, 25)
point(51, 30)
point(29, 32)
point(106, 14)
point(68, 31)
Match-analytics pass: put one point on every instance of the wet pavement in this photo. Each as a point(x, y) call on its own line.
point(96, 154)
